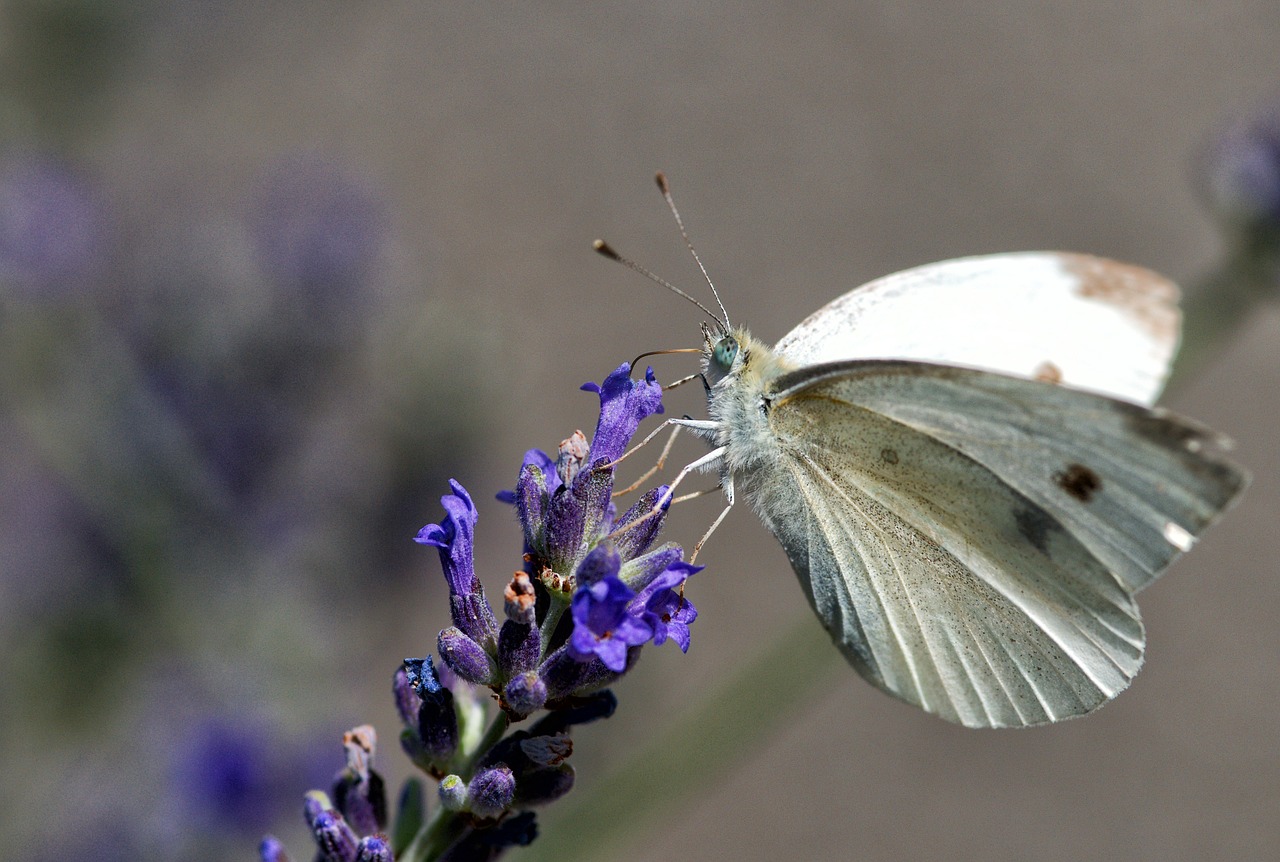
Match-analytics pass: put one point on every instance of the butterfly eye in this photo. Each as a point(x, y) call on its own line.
point(726, 350)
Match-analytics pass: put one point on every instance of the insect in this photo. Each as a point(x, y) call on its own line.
point(966, 469)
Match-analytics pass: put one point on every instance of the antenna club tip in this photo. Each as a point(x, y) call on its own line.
point(661, 179)
point(605, 249)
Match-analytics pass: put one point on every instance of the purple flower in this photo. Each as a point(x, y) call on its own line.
point(665, 610)
point(271, 850)
point(642, 571)
point(603, 561)
point(1241, 170)
point(624, 404)
point(51, 227)
point(230, 772)
point(602, 627)
point(455, 537)
point(635, 541)
point(317, 226)
point(575, 517)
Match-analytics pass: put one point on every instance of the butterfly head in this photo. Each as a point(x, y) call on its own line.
point(726, 353)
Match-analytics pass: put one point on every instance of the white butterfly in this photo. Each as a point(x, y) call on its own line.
point(964, 466)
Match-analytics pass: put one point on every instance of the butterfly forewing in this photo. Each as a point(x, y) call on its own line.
point(1076, 319)
point(947, 576)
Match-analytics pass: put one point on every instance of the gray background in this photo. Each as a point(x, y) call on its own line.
point(811, 147)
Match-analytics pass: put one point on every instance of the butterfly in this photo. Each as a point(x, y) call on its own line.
point(965, 467)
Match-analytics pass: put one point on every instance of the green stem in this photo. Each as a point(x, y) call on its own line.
point(1221, 302)
point(437, 835)
point(549, 623)
point(496, 729)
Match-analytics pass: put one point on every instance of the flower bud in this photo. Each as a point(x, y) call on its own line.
point(491, 791)
point(315, 803)
point(453, 793)
point(532, 496)
point(540, 786)
point(271, 850)
point(573, 453)
point(519, 640)
point(465, 657)
point(438, 727)
point(358, 791)
point(575, 515)
point(407, 701)
point(437, 722)
point(334, 838)
point(603, 560)
point(525, 694)
point(520, 600)
point(635, 541)
point(374, 848)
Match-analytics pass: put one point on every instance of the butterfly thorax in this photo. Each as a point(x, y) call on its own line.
point(738, 399)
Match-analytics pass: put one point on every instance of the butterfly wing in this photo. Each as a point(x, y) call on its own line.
point(969, 583)
point(1085, 321)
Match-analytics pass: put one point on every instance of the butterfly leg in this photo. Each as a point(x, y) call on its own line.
point(727, 484)
point(662, 459)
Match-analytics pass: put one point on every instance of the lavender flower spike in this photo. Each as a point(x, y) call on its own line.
point(455, 537)
point(592, 588)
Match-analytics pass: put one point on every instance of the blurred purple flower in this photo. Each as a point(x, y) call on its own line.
point(1240, 169)
point(232, 774)
point(51, 227)
point(318, 227)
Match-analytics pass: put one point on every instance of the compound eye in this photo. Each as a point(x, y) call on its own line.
point(725, 351)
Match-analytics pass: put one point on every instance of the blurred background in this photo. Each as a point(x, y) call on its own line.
point(270, 274)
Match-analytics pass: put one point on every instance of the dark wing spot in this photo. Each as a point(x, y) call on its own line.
point(1034, 525)
point(1079, 481)
point(890, 456)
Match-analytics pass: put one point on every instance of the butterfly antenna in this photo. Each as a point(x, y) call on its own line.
point(608, 251)
point(665, 188)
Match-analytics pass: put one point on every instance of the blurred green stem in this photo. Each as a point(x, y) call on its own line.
point(728, 725)
point(1221, 302)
